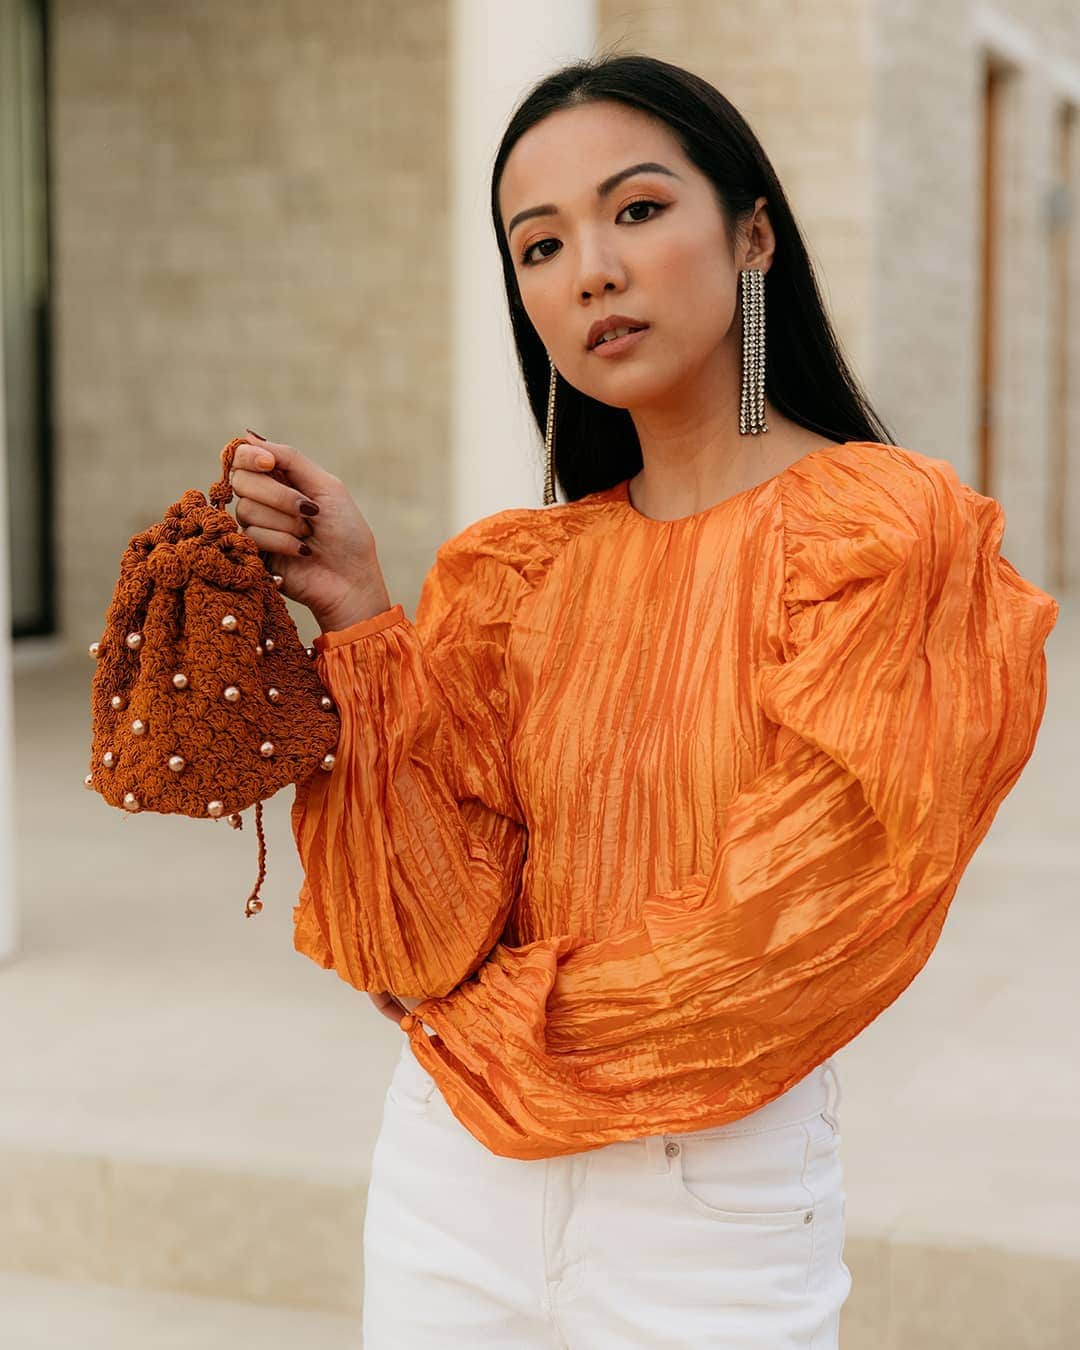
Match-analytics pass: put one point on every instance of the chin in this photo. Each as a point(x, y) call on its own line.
point(631, 389)
point(645, 391)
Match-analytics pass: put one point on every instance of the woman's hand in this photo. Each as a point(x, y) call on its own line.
point(319, 543)
point(393, 1007)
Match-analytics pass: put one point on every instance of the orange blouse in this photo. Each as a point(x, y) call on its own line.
point(657, 815)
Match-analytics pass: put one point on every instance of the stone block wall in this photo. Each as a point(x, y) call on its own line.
point(929, 237)
point(250, 203)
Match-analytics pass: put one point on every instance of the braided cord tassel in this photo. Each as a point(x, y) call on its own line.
point(254, 904)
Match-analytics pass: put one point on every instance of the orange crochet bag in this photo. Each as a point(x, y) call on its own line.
point(204, 699)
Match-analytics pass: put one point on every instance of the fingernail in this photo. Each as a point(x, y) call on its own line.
point(308, 509)
point(255, 433)
point(265, 461)
point(305, 550)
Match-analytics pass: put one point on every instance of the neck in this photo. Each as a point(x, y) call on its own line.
point(692, 461)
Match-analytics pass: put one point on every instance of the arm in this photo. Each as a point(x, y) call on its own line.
point(413, 847)
point(909, 701)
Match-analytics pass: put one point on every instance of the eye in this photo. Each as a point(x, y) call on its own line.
point(526, 261)
point(644, 201)
point(638, 201)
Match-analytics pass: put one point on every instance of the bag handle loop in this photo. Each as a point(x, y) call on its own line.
point(221, 492)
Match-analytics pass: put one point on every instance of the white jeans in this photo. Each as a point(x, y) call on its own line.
point(728, 1238)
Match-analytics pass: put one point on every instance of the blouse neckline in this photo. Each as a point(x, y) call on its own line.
point(620, 493)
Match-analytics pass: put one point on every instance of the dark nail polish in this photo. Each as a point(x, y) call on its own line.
point(305, 550)
point(308, 509)
point(255, 433)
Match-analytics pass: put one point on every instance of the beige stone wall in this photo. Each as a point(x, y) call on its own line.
point(925, 170)
point(250, 208)
point(928, 239)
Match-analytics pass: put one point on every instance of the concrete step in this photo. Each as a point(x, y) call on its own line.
point(912, 1293)
point(164, 1225)
point(907, 1294)
point(46, 1314)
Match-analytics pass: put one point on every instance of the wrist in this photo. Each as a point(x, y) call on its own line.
point(363, 603)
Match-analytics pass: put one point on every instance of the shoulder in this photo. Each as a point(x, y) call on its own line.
point(521, 541)
point(865, 509)
point(873, 480)
point(490, 565)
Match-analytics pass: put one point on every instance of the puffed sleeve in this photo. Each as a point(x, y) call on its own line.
point(413, 846)
point(908, 701)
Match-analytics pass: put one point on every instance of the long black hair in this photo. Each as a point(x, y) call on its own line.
point(806, 375)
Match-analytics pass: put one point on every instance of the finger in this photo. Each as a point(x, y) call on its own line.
point(250, 512)
point(261, 488)
point(306, 475)
point(387, 1005)
point(251, 457)
point(297, 532)
point(276, 541)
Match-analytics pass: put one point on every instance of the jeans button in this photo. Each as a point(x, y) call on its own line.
point(671, 1149)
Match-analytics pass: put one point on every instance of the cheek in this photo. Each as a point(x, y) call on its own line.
point(692, 280)
point(545, 310)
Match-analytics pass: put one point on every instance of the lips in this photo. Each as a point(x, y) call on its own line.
point(602, 326)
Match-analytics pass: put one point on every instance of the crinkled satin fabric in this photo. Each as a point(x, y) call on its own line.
point(657, 815)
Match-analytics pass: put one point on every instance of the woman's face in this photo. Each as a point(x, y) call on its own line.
point(652, 247)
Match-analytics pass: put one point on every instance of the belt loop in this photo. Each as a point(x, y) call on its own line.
point(656, 1154)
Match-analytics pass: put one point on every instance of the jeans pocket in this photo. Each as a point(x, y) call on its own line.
point(411, 1087)
point(755, 1178)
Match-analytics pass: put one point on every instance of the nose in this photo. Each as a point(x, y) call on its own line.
point(600, 269)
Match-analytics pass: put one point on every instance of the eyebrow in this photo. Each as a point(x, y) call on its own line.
point(602, 190)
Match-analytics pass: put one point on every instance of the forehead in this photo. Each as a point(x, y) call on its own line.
point(562, 158)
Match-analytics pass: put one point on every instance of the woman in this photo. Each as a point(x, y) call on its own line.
point(665, 795)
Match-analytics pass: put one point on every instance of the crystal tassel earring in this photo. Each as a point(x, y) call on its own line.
point(549, 464)
point(752, 404)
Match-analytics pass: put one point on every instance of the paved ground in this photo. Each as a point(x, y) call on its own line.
point(146, 1020)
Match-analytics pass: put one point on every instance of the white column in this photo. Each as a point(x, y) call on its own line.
point(498, 51)
point(8, 909)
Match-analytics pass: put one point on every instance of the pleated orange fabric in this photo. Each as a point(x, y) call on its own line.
point(657, 815)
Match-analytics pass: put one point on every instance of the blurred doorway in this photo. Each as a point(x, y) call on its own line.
point(24, 288)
